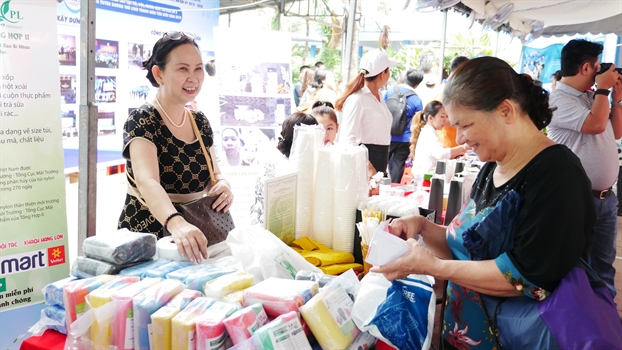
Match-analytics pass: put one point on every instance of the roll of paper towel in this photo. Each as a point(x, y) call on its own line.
point(167, 249)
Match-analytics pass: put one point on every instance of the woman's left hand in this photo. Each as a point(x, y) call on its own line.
point(222, 190)
point(418, 261)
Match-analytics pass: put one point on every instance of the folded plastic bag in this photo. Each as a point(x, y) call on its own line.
point(163, 270)
point(148, 302)
point(52, 317)
point(161, 320)
point(140, 269)
point(211, 332)
point(184, 324)
point(285, 332)
point(198, 279)
point(74, 296)
point(123, 327)
point(279, 296)
point(221, 286)
point(385, 247)
point(53, 292)
point(244, 323)
point(264, 255)
point(121, 247)
point(329, 316)
point(400, 313)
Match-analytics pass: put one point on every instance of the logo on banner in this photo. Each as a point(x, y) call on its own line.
point(2, 285)
point(34, 260)
point(9, 15)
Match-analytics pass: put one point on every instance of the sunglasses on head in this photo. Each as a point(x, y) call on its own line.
point(176, 35)
point(322, 104)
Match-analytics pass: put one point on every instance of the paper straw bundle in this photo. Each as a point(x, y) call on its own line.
point(122, 332)
point(308, 139)
point(184, 324)
point(161, 325)
point(323, 198)
point(148, 302)
point(211, 332)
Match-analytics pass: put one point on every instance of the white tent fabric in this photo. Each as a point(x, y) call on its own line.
point(551, 12)
point(611, 25)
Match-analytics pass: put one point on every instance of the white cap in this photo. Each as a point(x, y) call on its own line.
point(375, 62)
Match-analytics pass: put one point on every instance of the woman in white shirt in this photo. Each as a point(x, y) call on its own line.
point(425, 145)
point(366, 118)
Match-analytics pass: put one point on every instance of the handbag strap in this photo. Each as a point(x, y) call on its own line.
point(208, 158)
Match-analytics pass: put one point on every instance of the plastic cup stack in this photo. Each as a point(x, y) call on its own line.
point(323, 203)
point(361, 174)
point(345, 201)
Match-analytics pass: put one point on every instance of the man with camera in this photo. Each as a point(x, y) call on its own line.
point(589, 125)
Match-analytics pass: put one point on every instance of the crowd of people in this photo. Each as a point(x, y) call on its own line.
point(539, 206)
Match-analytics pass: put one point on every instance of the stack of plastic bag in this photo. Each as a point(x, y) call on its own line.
point(121, 247)
point(280, 296)
point(184, 324)
point(122, 331)
point(53, 316)
point(74, 296)
point(211, 332)
point(140, 269)
point(244, 323)
point(161, 320)
point(196, 276)
point(285, 332)
point(220, 287)
point(163, 270)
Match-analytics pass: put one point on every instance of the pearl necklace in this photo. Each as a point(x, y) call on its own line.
point(183, 121)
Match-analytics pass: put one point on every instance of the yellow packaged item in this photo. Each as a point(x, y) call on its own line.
point(223, 285)
point(184, 324)
point(330, 261)
point(329, 316)
point(161, 320)
point(235, 296)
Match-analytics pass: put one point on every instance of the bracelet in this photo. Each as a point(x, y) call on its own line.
point(218, 177)
point(617, 104)
point(601, 92)
point(170, 217)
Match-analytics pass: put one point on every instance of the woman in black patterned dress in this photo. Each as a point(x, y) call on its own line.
point(164, 157)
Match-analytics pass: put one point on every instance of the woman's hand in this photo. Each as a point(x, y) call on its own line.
point(408, 226)
point(222, 190)
point(418, 261)
point(190, 241)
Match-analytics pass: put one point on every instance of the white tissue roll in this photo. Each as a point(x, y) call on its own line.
point(167, 249)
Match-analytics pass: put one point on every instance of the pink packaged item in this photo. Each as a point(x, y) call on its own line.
point(279, 296)
point(211, 332)
point(244, 323)
point(123, 327)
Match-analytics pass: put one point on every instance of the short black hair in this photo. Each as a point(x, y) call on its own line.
point(557, 75)
point(319, 64)
point(426, 62)
point(578, 52)
point(210, 68)
point(303, 68)
point(456, 62)
point(413, 77)
point(161, 49)
point(287, 130)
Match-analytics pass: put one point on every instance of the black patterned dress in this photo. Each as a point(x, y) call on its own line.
point(182, 165)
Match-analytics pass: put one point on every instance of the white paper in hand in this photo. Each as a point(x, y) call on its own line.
point(385, 247)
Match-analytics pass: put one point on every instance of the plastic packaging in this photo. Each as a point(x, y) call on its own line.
point(161, 325)
point(320, 278)
point(53, 292)
point(184, 324)
point(237, 297)
point(221, 286)
point(198, 279)
point(244, 323)
point(279, 296)
point(52, 317)
point(329, 316)
point(74, 296)
point(123, 328)
point(285, 332)
point(121, 247)
point(385, 186)
point(211, 332)
point(148, 302)
point(162, 271)
point(385, 247)
point(363, 341)
point(85, 268)
point(140, 269)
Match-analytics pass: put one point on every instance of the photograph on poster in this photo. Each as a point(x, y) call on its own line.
point(105, 89)
point(68, 89)
point(66, 50)
point(243, 146)
point(253, 111)
point(105, 122)
point(137, 54)
point(268, 78)
point(69, 120)
point(139, 92)
point(106, 53)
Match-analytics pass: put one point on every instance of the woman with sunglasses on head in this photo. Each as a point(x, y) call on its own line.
point(324, 113)
point(165, 163)
point(366, 118)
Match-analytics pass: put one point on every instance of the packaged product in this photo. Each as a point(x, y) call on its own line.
point(223, 285)
point(121, 247)
point(279, 296)
point(161, 320)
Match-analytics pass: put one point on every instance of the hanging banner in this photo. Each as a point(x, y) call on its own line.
point(33, 220)
point(541, 64)
point(254, 99)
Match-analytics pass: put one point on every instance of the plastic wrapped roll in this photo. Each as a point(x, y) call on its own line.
point(162, 271)
point(123, 327)
point(184, 324)
point(285, 332)
point(85, 268)
point(161, 320)
point(121, 247)
point(221, 286)
point(140, 269)
point(197, 280)
point(74, 296)
point(53, 292)
point(244, 323)
point(328, 315)
point(211, 332)
point(279, 296)
point(101, 329)
point(148, 302)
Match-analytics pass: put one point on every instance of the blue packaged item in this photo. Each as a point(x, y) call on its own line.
point(53, 292)
point(182, 274)
point(139, 270)
point(197, 280)
point(162, 271)
point(52, 317)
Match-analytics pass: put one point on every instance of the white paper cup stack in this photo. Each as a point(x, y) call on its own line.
point(345, 201)
point(323, 198)
point(361, 174)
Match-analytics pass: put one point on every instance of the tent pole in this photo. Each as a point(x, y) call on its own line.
point(349, 36)
point(497, 44)
point(440, 74)
point(87, 130)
